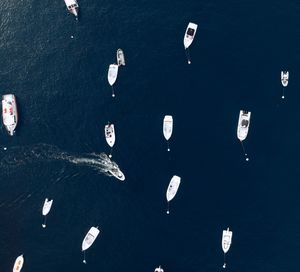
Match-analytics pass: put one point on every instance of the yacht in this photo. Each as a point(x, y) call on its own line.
point(243, 125)
point(46, 209)
point(189, 34)
point(89, 239)
point(117, 173)
point(173, 187)
point(168, 127)
point(226, 242)
point(120, 57)
point(284, 78)
point(9, 113)
point(18, 264)
point(112, 74)
point(110, 136)
point(158, 269)
point(73, 7)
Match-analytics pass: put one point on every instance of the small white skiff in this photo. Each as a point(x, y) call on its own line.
point(120, 57)
point(46, 209)
point(112, 74)
point(9, 113)
point(168, 127)
point(89, 239)
point(73, 7)
point(189, 34)
point(158, 269)
point(172, 189)
point(226, 242)
point(110, 136)
point(243, 125)
point(18, 264)
point(284, 78)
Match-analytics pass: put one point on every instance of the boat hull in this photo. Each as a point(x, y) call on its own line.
point(110, 136)
point(173, 187)
point(18, 264)
point(189, 35)
point(243, 125)
point(112, 74)
point(168, 127)
point(284, 78)
point(72, 7)
point(226, 240)
point(9, 113)
point(90, 238)
point(47, 206)
point(120, 57)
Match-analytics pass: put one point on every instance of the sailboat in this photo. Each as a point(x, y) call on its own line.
point(188, 38)
point(46, 209)
point(72, 7)
point(158, 269)
point(226, 242)
point(112, 76)
point(120, 57)
point(18, 264)
point(168, 128)
point(89, 239)
point(172, 189)
point(284, 81)
point(110, 136)
point(243, 128)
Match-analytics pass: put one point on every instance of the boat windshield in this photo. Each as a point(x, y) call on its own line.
point(191, 32)
point(89, 239)
point(245, 123)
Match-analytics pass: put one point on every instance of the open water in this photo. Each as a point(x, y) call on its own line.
point(64, 101)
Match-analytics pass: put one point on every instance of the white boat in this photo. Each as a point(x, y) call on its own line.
point(9, 113)
point(89, 239)
point(189, 34)
point(243, 125)
point(72, 7)
point(110, 136)
point(172, 189)
point(284, 78)
point(158, 269)
point(112, 74)
point(117, 173)
point(168, 128)
point(226, 242)
point(120, 57)
point(46, 209)
point(18, 264)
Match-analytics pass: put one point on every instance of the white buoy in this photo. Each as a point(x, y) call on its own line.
point(72, 37)
point(5, 148)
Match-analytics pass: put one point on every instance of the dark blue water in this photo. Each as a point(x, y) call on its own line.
point(64, 102)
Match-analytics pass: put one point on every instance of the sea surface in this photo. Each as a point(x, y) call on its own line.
point(64, 102)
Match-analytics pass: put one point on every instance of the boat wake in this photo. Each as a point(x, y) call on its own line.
point(18, 156)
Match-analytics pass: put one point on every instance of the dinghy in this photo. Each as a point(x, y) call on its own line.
point(112, 76)
point(110, 136)
point(284, 81)
point(120, 57)
point(9, 113)
point(18, 264)
point(158, 269)
point(189, 37)
point(172, 189)
point(89, 240)
point(72, 7)
point(168, 128)
point(226, 242)
point(46, 210)
point(243, 128)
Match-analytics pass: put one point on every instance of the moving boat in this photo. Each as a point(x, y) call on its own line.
point(46, 210)
point(189, 34)
point(117, 173)
point(226, 242)
point(89, 239)
point(18, 264)
point(120, 57)
point(284, 78)
point(73, 7)
point(243, 125)
point(112, 74)
point(110, 134)
point(9, 113)
point(172, 189)
point(158, 269)
point(168, 128)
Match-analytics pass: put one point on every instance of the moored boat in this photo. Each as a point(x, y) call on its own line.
point(110, 136)
point(189, 34)
point(46, 209)
point(89, 239)
point(112, 74)
point(18, 264)
point(72, 7)
point(226, 242)
point(158, 269)
point(120, 57)
point(243, 124)
point(172, 189)
point(168, 128)
point(9, 113)
point(284, 78)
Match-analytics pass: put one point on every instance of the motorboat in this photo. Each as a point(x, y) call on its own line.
point(46, 209)
point(9, 113)
point(110, 136)
point(112, 74)
point(72, 7)
point(120, 57)
point(89, 239)
point(168, 127)
point(226, 242)
point(18, 264)
point(189, 34)
point(284, 78)
point(158, 269)
point(117, 173)
point(172, 189)
point(243, 125)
